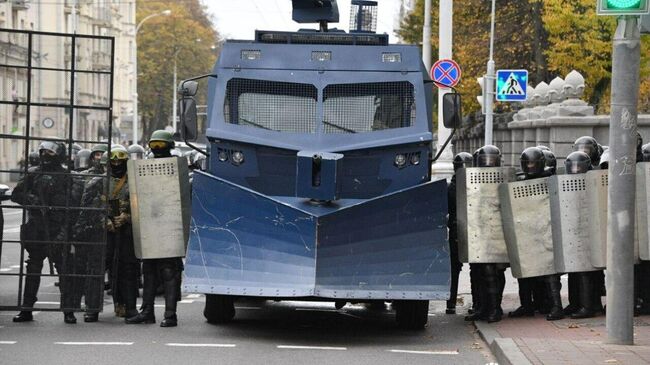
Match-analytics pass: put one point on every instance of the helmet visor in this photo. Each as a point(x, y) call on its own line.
point(157, 145)
point(576, 167)
point(119, 155)
point(489, 161)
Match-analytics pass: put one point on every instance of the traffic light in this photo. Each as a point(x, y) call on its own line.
point(481, 98)
point(622, 7)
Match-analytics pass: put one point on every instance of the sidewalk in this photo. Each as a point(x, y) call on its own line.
point(538, 341)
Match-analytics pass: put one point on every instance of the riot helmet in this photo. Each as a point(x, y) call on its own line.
point(103, 161)
point(550, 161)
point(161, 143)
point(119, 156)
point(646, 152)
point(543, 148)
point(97, 151)
point(639, 147)
point(533, 161)
point(462, 160)
point(604, 160)
point(577, 162)
point(34, 159)
point(51, 154)
point(82, 160)
point(136, 152)
point(488, 156)
point(590, 146)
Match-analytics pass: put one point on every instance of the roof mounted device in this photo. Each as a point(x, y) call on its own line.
point(316, 11)
point(363, 16)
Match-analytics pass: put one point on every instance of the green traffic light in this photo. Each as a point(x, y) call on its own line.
point(624, 4)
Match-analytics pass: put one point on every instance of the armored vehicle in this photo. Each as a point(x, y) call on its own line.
point(318, 184)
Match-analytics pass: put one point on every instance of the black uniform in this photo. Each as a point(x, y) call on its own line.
point(456, 265)
point(48, 225)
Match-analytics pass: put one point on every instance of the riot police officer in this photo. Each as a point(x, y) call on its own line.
point(169, 269)
point(74, 149)
point(136, 152)
point(492, 275)
point(82, 160)
point(45, 186)
point(125, 265)
point(33, 159)
point(590, 146)
point(582, 288)
point(461, 160)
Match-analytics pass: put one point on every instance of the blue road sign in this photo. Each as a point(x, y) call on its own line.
point(512, 85)
point(446, 73)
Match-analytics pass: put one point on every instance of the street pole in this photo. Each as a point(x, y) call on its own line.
point(174, 110)
point(622, 173)
point(444, 165)
point(489, 85)
point(426, 35)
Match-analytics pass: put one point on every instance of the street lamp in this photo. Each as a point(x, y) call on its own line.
point(135, 68)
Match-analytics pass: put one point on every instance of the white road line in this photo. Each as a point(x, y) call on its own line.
point(453, 352)
point(185, 301)
point(7, 342)
point(230, 345)
point(48, 303)
point(12, 230)
point(288, 347)
point(249, 308)
point(193, 296)
point(15, 212)
point(159, 305)
point(15, 266)
point(5, 270)
point(94, 343)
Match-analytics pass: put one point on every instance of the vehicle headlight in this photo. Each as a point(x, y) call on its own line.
point(400, 160)
point(415, 159)
point(223, 156)
point(237, 158)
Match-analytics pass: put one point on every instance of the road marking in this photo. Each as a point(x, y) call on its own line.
point(48, 303)
point(249, 308)
point(7, 342)
point(185, 301)
point(201, 345)
point(94, 343)
point(5, 270)
point(288, 347)
point(15, 266)
point(159, 305)
point(12, 230)
point(455, 352)
point(193, 296)
point(315, 310)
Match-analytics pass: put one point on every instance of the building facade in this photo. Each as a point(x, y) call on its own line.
point(94, 17)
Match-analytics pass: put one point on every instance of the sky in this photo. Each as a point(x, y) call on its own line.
point(238, 19)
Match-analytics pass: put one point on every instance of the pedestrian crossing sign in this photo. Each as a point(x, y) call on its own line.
point(511, 85)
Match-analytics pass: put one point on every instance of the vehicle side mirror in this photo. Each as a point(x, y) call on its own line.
point(188, 88)
point(187, 107)
point(451, 110)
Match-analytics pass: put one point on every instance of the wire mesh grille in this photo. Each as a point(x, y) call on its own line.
point(363, 17)
point(271, 105)
point(355, 108)
point(577, 184)
point(488, 177)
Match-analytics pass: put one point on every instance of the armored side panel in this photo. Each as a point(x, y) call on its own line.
point(526, 216)
point(597, 182)
point(643, 208)
point(248, 244)
point(160, 206)
point(570, 221)
point(480, 231)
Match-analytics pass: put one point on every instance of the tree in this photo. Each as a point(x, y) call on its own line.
point(187, 36)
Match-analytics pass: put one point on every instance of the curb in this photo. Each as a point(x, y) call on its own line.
point(505, 350)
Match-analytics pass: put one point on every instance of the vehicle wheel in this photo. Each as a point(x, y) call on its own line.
point(412, 314)
point(219, 308)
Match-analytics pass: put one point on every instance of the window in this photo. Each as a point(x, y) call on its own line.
point(271, 105)
point(355, 108)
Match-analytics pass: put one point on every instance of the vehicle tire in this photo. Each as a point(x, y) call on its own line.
point(219, 308)
point(411, 314)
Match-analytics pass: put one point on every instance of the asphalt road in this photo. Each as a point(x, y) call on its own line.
point(262, 333)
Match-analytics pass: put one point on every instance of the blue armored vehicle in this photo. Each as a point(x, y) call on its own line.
point(318, 185)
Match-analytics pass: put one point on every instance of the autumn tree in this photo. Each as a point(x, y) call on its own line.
point(187, 36)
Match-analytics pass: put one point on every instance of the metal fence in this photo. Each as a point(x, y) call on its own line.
point(55, 88)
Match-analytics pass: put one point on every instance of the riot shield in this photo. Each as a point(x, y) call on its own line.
point(160, 216)
point(57, 98)
point(643, 208)
point(570, 221)
point(526, 216)
point(480, 231)
point(597, 183)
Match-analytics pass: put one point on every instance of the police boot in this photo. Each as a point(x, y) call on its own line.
point(573, 295)
point(478, 293)
point(525, 298)
point(597, 304)
point(553, 289)
point(91, 317)
point(586, 296)
point(171, 281)
point(24, 316)
point(69, 318)
point(146, 316)
point(453, 291)
point(474, 283)
point(493, 289)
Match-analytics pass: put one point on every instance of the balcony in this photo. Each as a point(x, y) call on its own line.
point(101, 61)
point(102, 16)
point(20, 4)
